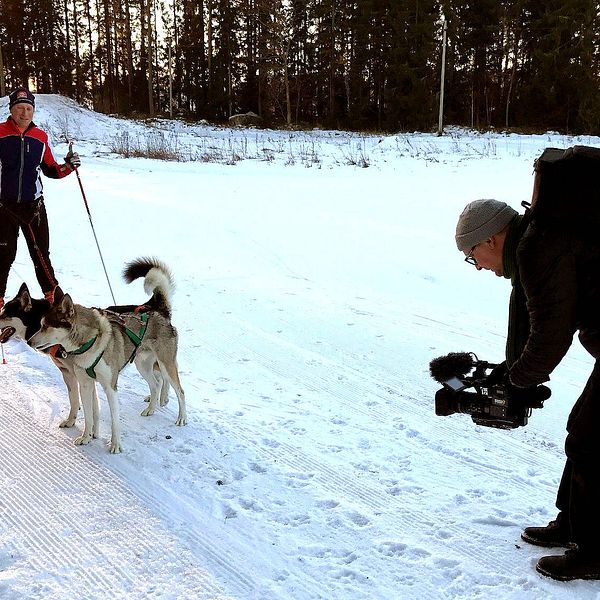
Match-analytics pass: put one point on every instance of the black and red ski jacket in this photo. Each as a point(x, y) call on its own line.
point(22, 157)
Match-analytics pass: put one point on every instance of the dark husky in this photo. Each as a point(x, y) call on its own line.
point(22, 317)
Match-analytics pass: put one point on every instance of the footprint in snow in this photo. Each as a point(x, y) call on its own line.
point(298, 430)
point(250, 505)
point(257, 468)
point(271, 443)
point(451, 567)
point(296, 520)
point(297, 480)
point(391, 548)
point(329, 504)
point(398, 490)
point(359, 519)
point(350, 574)
point(226, 512)
point(238, 475)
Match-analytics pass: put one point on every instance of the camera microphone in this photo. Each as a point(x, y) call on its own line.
point(455, 364)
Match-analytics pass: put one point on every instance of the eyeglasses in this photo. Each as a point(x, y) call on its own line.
point(470, 258)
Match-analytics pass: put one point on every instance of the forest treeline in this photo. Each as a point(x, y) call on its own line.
point(363, 65)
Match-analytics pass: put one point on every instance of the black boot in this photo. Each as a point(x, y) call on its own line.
point(554, 535)
point(574, 564)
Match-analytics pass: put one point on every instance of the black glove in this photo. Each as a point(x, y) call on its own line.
point(497, 375)
point(532, 397)
point(72, 159)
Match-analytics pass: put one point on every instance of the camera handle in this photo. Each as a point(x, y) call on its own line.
point(481, 366)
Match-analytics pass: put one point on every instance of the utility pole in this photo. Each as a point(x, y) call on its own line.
point(150, 73)
point(2, 86)
point(170, 83)
point(441, 115)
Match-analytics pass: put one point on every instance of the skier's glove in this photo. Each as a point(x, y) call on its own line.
point(73, 160)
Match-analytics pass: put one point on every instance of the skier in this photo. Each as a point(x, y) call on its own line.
point(24, 152)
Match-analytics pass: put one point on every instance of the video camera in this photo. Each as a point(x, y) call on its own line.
point(491, 404)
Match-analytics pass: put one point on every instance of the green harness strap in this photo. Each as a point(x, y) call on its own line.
point(135, 338)
point(90, 370)
point(85, 347)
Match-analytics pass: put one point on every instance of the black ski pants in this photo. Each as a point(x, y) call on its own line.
point(578, 496)
point(31, 219)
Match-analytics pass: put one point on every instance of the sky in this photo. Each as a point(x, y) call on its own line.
point(316, 278)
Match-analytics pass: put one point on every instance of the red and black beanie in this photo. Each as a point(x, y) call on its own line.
point(19, 96)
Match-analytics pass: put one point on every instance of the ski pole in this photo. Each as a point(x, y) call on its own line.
point(87, 208)
point(3, 359)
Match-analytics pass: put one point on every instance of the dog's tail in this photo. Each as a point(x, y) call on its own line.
point(158, 281)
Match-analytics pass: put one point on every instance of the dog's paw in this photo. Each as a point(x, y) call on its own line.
point(115, 447)
point(181, 421)
point(82, 440)
point(67, 422)
point(164, 401)
point(147, 398)
point(147, 412)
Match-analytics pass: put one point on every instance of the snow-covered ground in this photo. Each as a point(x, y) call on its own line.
point(311, 296)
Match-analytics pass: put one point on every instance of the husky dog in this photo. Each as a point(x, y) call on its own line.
point(101, 343)
point(22, 317)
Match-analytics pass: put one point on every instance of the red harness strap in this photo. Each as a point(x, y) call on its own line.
point(57, 351)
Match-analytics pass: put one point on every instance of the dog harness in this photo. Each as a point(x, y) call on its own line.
point(135, 338)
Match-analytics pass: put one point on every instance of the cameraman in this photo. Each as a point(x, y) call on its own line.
point(555, 277)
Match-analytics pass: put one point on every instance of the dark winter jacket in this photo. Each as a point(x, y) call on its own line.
point(22, 157)
point(559, 274)
point(518, 320)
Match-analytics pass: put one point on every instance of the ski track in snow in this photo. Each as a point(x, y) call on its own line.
point(52, 496)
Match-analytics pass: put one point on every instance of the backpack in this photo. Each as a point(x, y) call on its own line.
point(566, 190)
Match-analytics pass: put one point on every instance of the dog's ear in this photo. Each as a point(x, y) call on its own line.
point(24, 297)
point(58, 294)
point(66, 306)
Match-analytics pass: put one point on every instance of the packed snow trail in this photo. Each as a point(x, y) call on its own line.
point(62, 522)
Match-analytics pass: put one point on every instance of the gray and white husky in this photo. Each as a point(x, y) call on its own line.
point(100, 343)
point(21, 317)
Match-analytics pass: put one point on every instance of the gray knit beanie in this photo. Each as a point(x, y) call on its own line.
point(480, 220)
